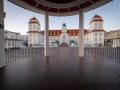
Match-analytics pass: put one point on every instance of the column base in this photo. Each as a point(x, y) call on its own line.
point(47, 57)
point(81, 58)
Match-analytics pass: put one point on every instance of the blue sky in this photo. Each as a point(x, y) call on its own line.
point(17, 18)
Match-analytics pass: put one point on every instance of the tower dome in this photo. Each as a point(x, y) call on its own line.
point(64, 24)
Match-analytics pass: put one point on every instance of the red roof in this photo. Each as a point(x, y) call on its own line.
point(97, 16)
point(71, 32)
point(34, 18)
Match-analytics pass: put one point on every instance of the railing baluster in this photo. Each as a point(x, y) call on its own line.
point(119, 56)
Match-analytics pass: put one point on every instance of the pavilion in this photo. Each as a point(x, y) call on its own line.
point(52, 8)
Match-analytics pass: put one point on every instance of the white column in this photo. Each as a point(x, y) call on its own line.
point(46, 46)
point(14, 43)
point(2, 41)
point(17, 43)
point(81, 34)
point(21, 44)
point(6, 44)
point(11, 44)
point(119, 42)
point(113, 43)
point(116, 42)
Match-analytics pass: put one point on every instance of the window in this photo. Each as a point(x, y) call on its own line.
point(11, 37)
point(95, 39)
point(95, 34)
point(8, 43)
point(6, 36)
point(30, 35)
point(100, 34)
point(34, 40)
point(100, 39)
point(33, 35)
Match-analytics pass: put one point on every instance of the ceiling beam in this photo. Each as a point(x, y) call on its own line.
point(79, 7)
point(91, 1)
point(47, 8)
point(36, 4)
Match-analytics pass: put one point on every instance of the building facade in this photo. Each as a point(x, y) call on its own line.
point(12, 40)
point(112, 38)
point(35, 35)
point(93, 36)
point(64, 35)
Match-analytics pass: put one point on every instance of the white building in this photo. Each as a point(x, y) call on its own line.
point(64, 35)
point(95, 35)
point(35, 35)
point(12, 40)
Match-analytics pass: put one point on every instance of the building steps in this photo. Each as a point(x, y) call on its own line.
point(64, 45)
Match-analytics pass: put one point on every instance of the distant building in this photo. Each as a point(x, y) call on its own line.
point(12, 40)
point(113, 37)
point(35, 35)
point(95, 35)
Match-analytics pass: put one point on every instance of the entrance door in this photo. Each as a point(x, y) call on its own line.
point(64, 39)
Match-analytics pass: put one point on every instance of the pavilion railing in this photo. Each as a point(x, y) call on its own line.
point(21, 54)
point(111, 54)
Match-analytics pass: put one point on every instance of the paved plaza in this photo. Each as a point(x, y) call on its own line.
point(63, 70)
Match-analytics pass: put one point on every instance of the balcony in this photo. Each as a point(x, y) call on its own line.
point(28, 69)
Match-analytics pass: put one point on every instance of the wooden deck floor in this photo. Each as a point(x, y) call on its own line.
point(63, 70)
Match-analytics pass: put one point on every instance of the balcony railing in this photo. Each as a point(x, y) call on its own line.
point(110, 54)
point(21, 54)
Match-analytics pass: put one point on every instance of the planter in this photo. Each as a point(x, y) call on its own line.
point(56, 44)
point(72, 44)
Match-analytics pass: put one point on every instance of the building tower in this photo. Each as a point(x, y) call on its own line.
point(96, 23)
point(64, 28)
point(96, 32)
point(35, 36)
